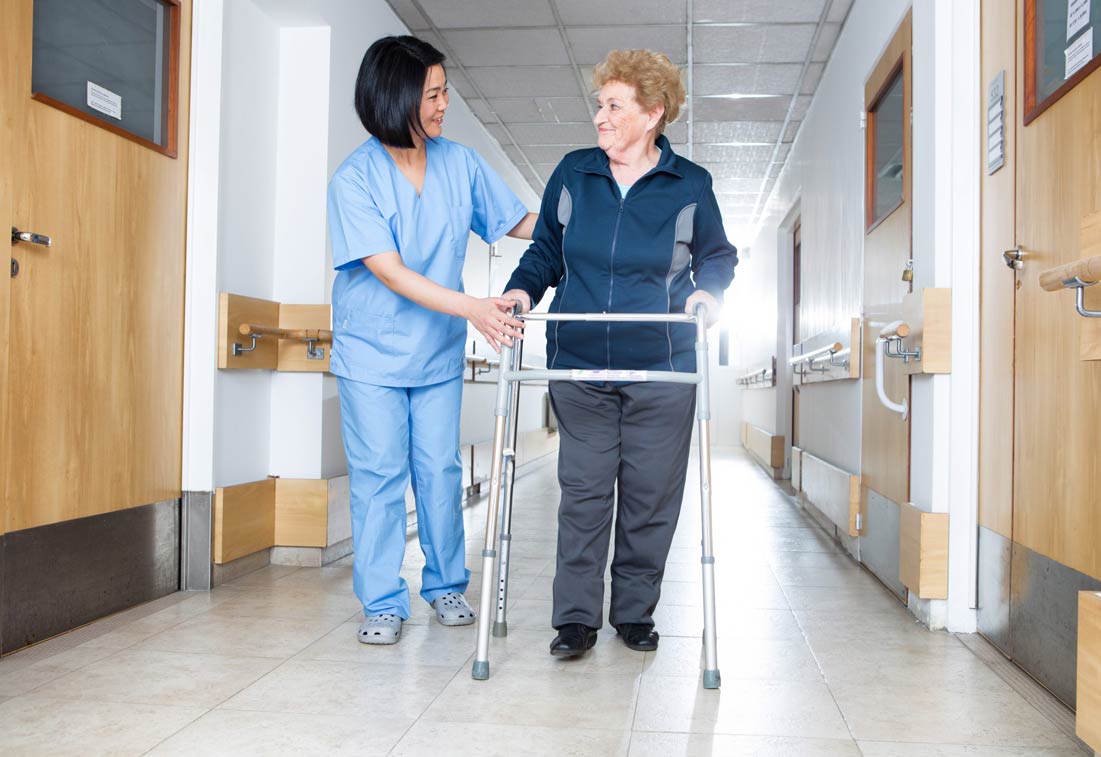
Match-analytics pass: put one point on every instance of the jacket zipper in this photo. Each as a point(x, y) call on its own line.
point(611, 286)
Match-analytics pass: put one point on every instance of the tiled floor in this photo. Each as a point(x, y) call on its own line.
point(816, 657)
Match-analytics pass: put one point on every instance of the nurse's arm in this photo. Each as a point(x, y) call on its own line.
point(525, 228)
point(490, 315)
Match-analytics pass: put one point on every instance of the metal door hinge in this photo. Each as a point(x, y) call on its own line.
point(863, 119)
point(859, 521)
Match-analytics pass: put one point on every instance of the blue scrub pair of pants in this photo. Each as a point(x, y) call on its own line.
point(394, 435)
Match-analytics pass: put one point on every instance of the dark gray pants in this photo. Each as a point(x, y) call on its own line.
point(636, 435)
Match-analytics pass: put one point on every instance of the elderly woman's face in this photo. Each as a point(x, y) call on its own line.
point(434, 101)
point(621, 122)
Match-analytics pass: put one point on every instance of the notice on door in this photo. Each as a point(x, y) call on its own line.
point(1079, 53)
point(1078, 15)
point(105, 101)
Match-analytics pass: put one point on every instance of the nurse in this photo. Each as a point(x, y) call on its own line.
point(401, 208)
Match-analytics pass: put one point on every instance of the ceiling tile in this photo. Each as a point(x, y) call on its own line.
point(719, 153)
point(722, 186)
point(839, 10)
point(826, 40)
point(456, 81)
point(814, 75)
point(747, 109)
point(615, 12)
point(525, 81)
point(591, 45)
point(409, 14)
point(514, 47)
point(448, 14)
point(767, 43)
point(793, 129)
point(726, 171)
point(481, 110)
point(541, 109)
point(736, 131)
point(541, 153)
point(677, 132)
point(746, 79)
point(757, 11)
point(554, 134)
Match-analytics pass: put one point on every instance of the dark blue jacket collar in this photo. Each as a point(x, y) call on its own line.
point(596, 162)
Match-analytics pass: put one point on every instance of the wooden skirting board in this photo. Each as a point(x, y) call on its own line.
point(1088, 716)
point(766, 448)
point(832, 491)
point(281, 512)
point(923, 552)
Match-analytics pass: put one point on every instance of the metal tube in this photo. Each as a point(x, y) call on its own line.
point(480, 670)
point(500, 623)
point(601, 317)
point(672, 377)
point(711, 678)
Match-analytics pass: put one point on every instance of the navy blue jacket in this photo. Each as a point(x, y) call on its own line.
point(643, 253)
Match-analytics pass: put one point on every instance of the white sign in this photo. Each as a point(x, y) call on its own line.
point(995, 124)
point(105, 101)
point(1078, 15)
point(1079, 53)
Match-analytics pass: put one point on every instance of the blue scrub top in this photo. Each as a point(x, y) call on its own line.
point(380, 337)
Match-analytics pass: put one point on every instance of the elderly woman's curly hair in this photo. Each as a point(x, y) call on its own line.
point(655, 79)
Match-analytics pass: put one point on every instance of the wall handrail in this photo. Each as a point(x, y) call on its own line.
point(830, 350)
point(899, 329)
point(311, 337)
point(1080, 273)
point(1077, 276)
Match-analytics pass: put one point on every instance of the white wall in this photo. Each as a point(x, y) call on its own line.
point(272, 118)
point(824, 177)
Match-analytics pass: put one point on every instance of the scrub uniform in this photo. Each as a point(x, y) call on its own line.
point(399, 366)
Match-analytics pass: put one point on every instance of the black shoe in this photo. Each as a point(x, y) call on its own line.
point(638, 636)
point(573, 640)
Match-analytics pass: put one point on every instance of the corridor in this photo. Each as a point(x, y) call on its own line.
point(817, 658)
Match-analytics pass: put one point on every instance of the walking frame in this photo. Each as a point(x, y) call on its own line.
point(503, 470)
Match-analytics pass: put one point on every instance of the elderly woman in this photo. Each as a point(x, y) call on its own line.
point(628, 227)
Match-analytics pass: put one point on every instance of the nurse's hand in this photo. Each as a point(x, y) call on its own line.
point(492, 317)
point(518, 295)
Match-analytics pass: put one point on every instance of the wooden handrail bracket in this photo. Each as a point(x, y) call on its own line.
point(261, 334)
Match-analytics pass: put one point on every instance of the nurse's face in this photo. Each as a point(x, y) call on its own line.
point(434, 101)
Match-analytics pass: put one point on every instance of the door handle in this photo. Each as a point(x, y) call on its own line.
point(30, 237)
point(1014, 258)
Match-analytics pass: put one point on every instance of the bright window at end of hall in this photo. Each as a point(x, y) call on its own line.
point(113, 63)
point(1062, 47)
point(886, 143)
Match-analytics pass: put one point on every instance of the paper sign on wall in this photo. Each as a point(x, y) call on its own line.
point(1078, 15)
point(105, 101)
point(1079, 53)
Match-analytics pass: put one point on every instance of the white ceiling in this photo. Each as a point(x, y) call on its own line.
point(525, 68)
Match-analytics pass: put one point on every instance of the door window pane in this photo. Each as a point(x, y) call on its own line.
point(888, 149)
point(107, 59)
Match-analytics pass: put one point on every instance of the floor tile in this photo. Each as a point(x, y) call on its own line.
point(431, 739)
point(277, 734)
point(242, 636)
point(698, 744)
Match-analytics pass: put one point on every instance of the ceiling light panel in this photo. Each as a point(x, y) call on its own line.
point(512, 47)
point(615, 12)
point(591, 44)
point(448, 14)
point(765, 43)
point(545, 109)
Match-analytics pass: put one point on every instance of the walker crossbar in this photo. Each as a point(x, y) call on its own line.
point(503, 466)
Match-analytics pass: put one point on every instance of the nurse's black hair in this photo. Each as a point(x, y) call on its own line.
point(390, 87)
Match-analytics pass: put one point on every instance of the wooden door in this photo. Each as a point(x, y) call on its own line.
point(885, 436)
point(93, 390)
point(796, 336)
point(1057, 397)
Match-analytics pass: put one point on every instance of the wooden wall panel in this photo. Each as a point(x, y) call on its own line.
point(244, 519)
point(292, 354)
point(885, 437)
point(1057, 395)
point(99, 387)
point(9, 87)
point(923, 552)
point(1088, 717)
point(996, 283)
point(768, 449)
point(301, 512)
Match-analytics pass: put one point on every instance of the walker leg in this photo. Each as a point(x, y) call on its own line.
point(711, 678)
point(480, 670)
point(500, 624)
